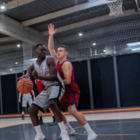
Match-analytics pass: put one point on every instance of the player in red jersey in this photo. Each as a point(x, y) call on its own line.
point(41, 87)
point(72, 92)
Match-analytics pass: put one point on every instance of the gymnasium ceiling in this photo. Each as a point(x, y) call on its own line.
point(27, 21)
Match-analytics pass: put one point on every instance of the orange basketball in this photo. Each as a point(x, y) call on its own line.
point(25, 85)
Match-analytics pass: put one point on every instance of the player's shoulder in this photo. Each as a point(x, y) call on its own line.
point(49, 57)
point(67, 63)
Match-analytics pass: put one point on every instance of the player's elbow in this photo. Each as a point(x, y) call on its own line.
point(67, 82)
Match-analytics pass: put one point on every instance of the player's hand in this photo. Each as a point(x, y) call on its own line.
point(51, 29)
point(35, 74)
point(19, 100)
point(24, 76)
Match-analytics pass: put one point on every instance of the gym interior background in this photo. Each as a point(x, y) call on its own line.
point(105, 50)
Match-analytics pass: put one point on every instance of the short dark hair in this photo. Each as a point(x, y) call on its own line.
point(38, 45)
point(63, 46)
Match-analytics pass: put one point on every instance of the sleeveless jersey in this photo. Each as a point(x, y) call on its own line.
point(39, 85)
point(43, 70)
point(73, 87)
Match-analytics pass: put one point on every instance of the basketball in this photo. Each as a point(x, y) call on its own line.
point(25, 85)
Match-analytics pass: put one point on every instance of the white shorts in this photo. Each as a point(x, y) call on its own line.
point(53, 92)
point(25, 101)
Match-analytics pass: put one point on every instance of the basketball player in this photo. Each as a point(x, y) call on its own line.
point(40, 88)
point(45, 69)
point(71, 96)
point(26, 98)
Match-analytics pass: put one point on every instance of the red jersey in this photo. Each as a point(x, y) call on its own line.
point(73, 87)
point(40, 86)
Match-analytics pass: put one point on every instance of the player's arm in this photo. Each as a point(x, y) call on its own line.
point(29, 71)
point(51, 49)
point(33, 94)
point(19, 97)
point(53, 71)
point(67, 71)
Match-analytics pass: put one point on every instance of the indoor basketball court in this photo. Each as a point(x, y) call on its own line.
point(100, 39)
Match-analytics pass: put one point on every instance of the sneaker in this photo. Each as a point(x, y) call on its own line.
point(40, 122)
point(70, 131)
point(64, 135)
point(39, 137)
point(53, 123)
point(91, 135)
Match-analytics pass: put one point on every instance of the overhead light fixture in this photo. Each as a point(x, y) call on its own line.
point(80, 34)
point(94, 44)
point(18, 45)
point(136, 49)
point(133, 44)
point(16, 63)
point(3, 6)
point(104, 51)
point(11, 69)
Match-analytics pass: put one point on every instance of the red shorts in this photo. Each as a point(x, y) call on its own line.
point(69, 99)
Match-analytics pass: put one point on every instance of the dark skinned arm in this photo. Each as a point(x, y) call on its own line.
point(53, 71)
point(29, 72)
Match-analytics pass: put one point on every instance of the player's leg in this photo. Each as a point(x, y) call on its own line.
point(72, 108)
point(53, 99)
point(80, 118)
point(40, 113)
point(54, 120)
point(23, 112)
point(58, 115)
point(40, 117)
point(24, 105)
point(61, 105)
point(38, 104)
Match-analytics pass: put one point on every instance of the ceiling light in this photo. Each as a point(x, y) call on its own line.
point(133, 44)
point(18, 45)
point(10, 69)
point(94, 44)
point(80, 34)
point(3, 7)
point(16, 62)
point(136, 49)
point(104, 51)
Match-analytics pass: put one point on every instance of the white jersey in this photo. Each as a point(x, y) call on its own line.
point(43, 70)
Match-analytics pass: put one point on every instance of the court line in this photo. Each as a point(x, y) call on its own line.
point(109, 134)
point(109, 123)
point(83, 112)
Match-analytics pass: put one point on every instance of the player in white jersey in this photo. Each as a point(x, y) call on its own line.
point(45, 69)
point(26, 98)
